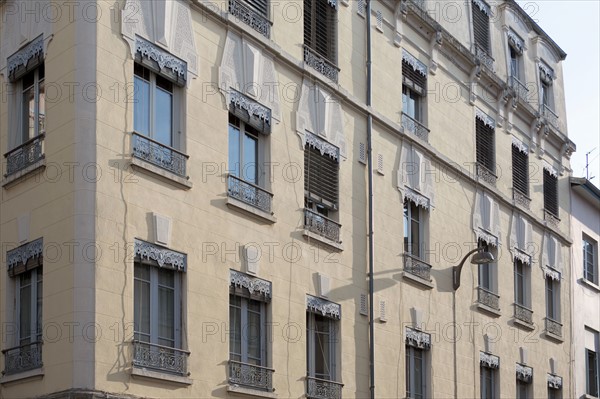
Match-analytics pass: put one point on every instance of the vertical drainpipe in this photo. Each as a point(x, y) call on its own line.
point(370, 201)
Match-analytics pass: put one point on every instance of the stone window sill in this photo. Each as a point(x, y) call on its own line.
point(22, 174)
point(522, 324)
point(244, 391)
point(553, 337)
point(22, 377)
point(165, 175)
point(326, 241)
point(157, 375)
point(588, 396)
point(491, 311)
point(250, 210)
point(417, 280)
point(590, 284)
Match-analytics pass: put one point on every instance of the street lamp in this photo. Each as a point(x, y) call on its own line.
point(481, 256)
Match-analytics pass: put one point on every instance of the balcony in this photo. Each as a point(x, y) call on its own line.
point(249, 193)
point(321, 225)
point(251, 376)
point(250, 17)
point(551, 219)
point(521, 199)
point(417, 268)
point(488, 298)
point(160, 358)
point(486, 175)
point(323, 389)
point(550, 116)
point(482, 55)
point(521, 91)
point(523, 314)
point(158, 154)
point(320, 64)
point(553, 327)
point(415, 127)
point(25, 155)
point(22, 358)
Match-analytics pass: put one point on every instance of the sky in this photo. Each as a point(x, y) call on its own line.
point(575, 27)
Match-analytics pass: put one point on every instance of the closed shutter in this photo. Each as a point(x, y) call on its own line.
point(320, 176)
point(481, 28)
point(484, 136)
point(413, 79)
point(320, 20)
point(520, 172)
point(550, 193)
point(260, 6)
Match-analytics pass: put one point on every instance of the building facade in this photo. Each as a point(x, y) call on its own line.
point(194, 192)
point(585, 229)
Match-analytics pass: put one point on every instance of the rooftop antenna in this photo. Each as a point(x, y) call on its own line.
point(587, 164)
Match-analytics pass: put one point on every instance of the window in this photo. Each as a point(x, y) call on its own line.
point(243, 150)
point(484, 138)
point(255, 13)
point(521, 283)
point(415, 372)
point(153, 106)
point(554, 393)
point(487, 382)
point(29, 306)
point(550, 193)
point(592, 377)
point(414, 87)
point(321, 347)
point(552, 299)
point(515, 59)
point(590, 259)
point(520, 170)
point(33, 108)
point(413, 230)
point(481, 25)
point(320, 21)
point(546, 95)
point(487, 271)
point(522, 389)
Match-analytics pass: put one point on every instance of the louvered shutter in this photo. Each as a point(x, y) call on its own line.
point(484, 137)
point(260, 6)
point(550, 193)
point(413, 79)
point(320, 20)
point(481, 28)
point(520, 172)
point(320, 175)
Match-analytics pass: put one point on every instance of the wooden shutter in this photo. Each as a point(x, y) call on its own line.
point(320, 176)
point(520, 171)
point(413, 79)
point(481, 28)
point(320, 20)
point(550, 193)
point(484, 137)
point(260, 6)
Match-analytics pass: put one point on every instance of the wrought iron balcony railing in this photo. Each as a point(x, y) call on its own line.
point(22, 358)
point(417, 267)
point(250, 17)
point(249, 193)
point(158, 154)
point(523, 313)
point(488, 298)
point(553, 327)
point(250, 375)
point(317, 388)
point(415, 127)
point(486, 175)
point(483, 56)
point(519, 88)
point(550, 116)
point(25, 155)
point(321, 64)
point(521, 198)
point(160, 358)
point(319, 224)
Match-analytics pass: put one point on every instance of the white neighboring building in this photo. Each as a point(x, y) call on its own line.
point(585, 229)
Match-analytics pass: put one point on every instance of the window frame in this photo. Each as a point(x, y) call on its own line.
point(484, 373)
point(311, 320)
point(515, 63)
point(546, 95)
point(592, 264)
point(154, 305)
point(551, 193)
point(492, 278)
point(520, 177)
point(409, 208)
point(552, 290)
point(523, 389)
point(481, 24)
point(177, 114)
point(330, 20)
point(411, 378)
point(244, 325)
point(36, 299)
point(238, 167)
point(313, 199)
point(485, 157)
point(39, 103)
point(525, 283)
point(593, 390)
